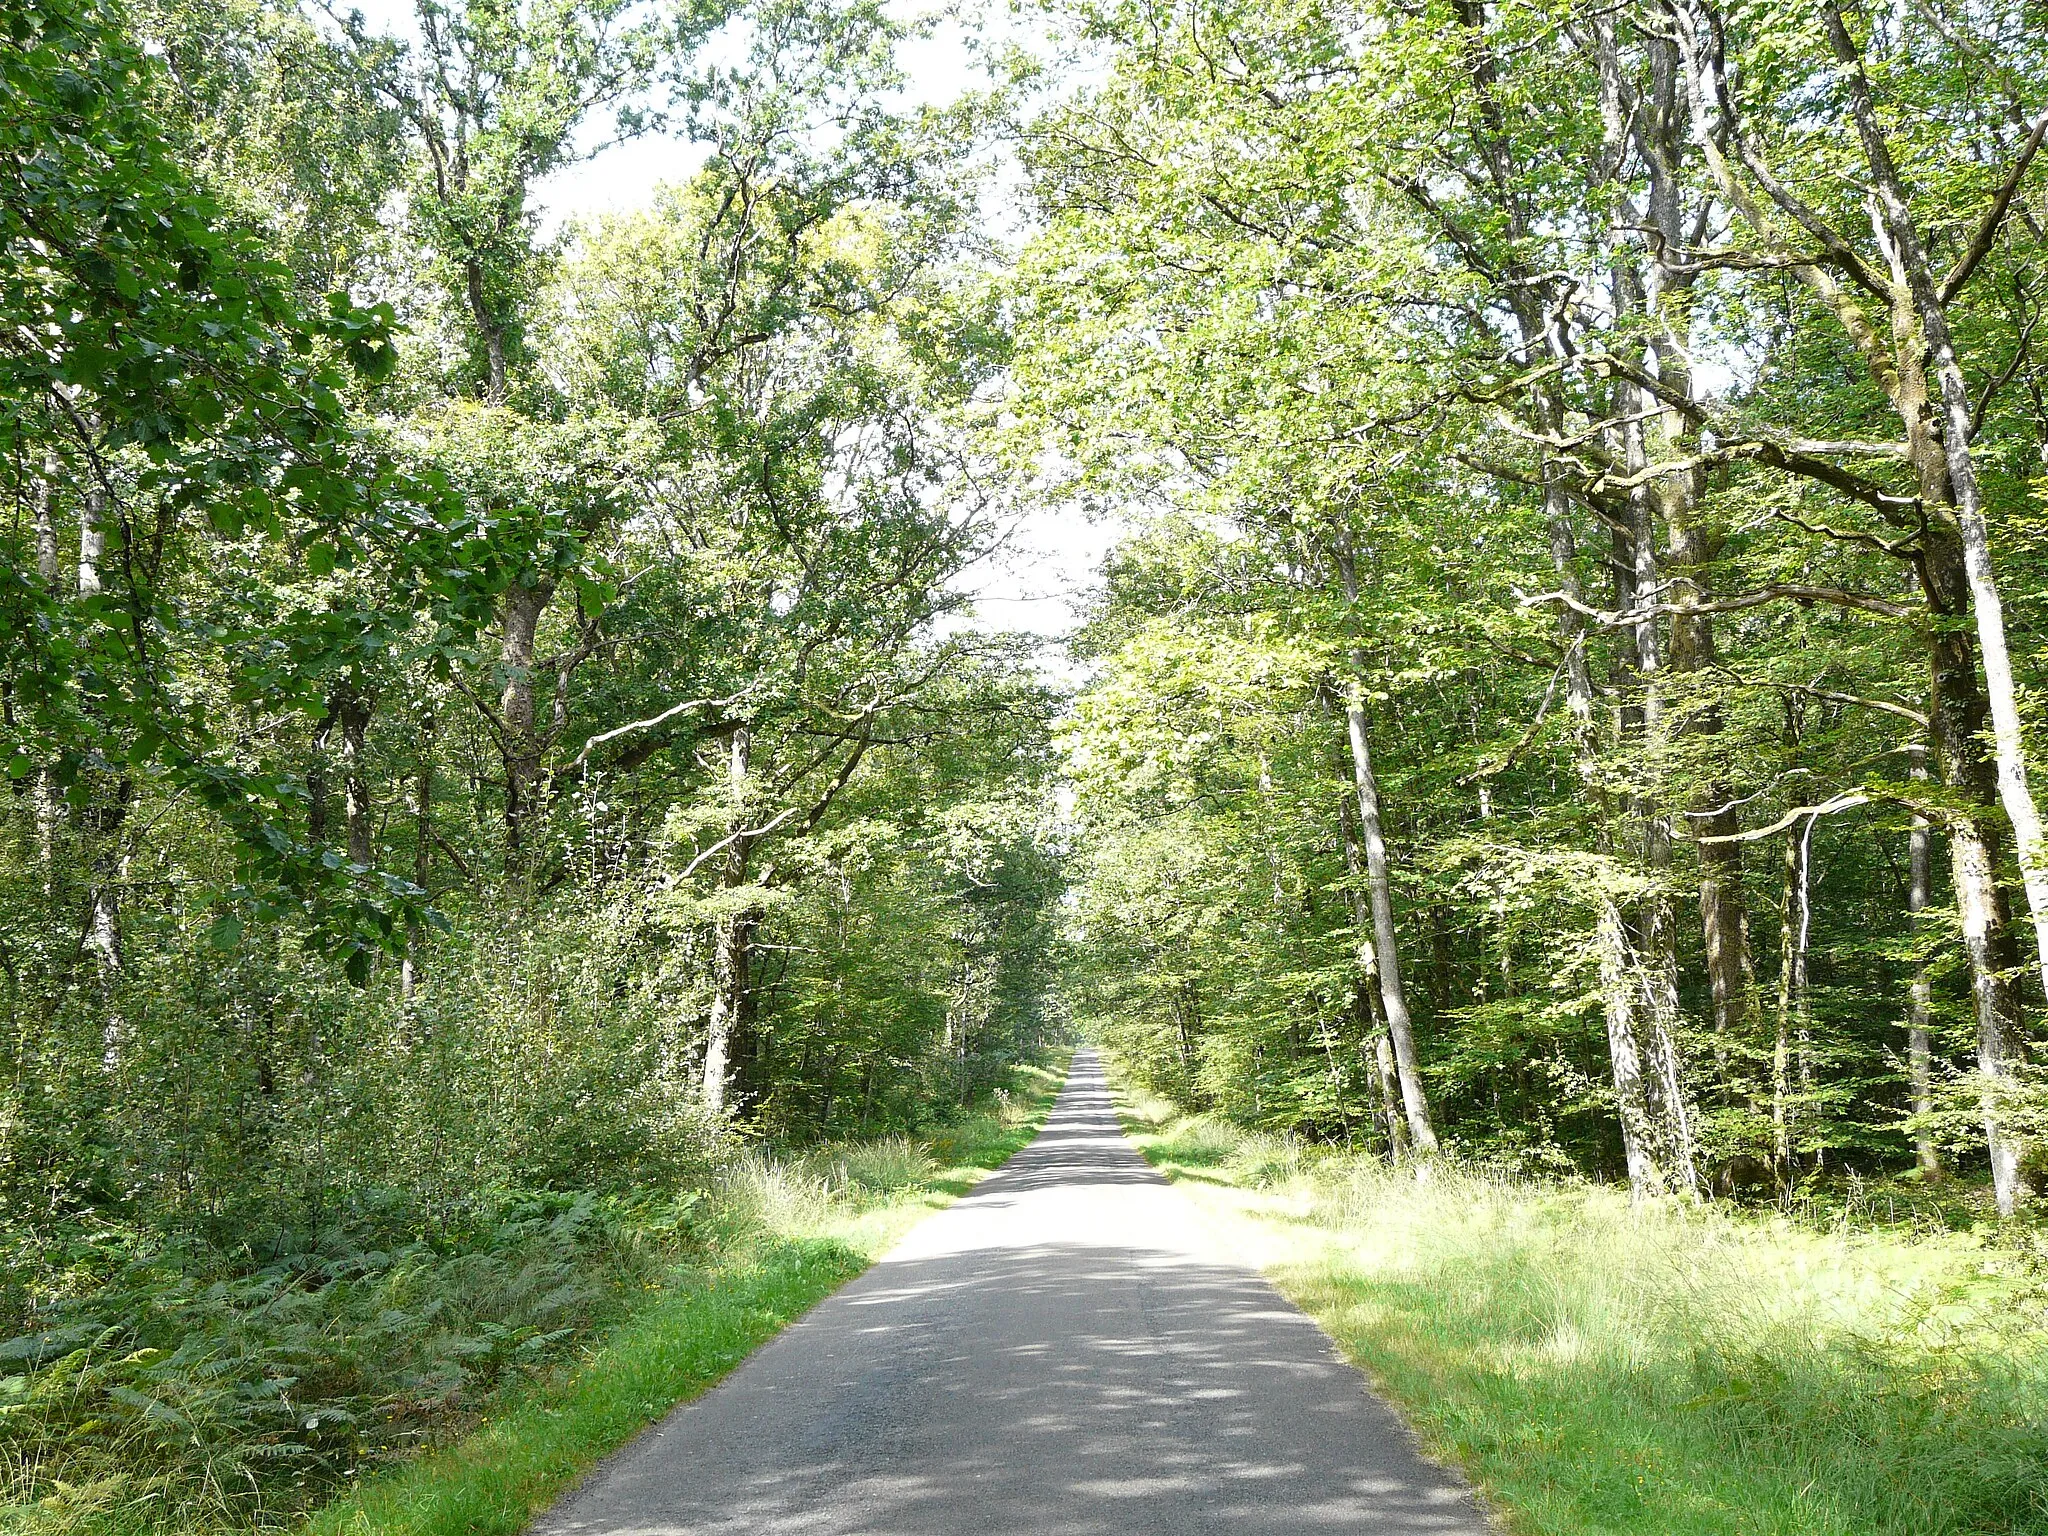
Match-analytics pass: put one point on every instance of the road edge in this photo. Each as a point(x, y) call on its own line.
point(496, 1480)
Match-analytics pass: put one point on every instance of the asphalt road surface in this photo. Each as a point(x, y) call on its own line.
point(1062, 1353)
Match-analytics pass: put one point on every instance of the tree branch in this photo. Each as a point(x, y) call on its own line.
point(1827, 695)
point(648, 724)
point(750, 834)
point(1777, 592)
point(1846, 800)
point(1994, 216)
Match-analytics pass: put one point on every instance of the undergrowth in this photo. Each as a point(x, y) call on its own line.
point(182, 1387)
point(1605, 1366)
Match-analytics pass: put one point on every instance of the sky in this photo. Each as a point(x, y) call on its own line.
point(1039, 578)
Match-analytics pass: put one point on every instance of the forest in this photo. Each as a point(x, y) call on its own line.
point(507, 779)
point(1570, 689)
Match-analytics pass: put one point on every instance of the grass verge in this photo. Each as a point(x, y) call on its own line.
point(1606, 1369)
point(794, 1230)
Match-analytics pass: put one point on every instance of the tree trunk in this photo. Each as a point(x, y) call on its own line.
point(103, 913)
point(49, 559)
point(490, 328)
point(524, 607)
point(1616, 958)
point(1919, 1041)
point(1979, 902)
point(103, 928)
point(1399, 1142)
point(92, 540)
point(1618, 993)
point(731, 955)
point(1956, 717)
point(1794, 925)
point(1724, 919)
point(103, 899)
point(422, 853)
point(1375, 1047)
point(1909, 263)
point(1724, 914)
point(351, 709)
point(1654, 935)
point(1385, 957)
point(1656, 1128)
point(1187, 1018)
point(49, 799)
point(732, 937)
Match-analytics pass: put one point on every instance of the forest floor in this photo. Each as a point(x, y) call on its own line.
point(1600, 1367)
point(641, 1311)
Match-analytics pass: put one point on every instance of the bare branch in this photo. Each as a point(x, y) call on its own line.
point(1741, 800)
point(1777, 592)
point(1994, 216)
point(1884, 706)
point(1900, 548)
point(1846, 800)
point(646, 725)
point(1493, 770)
point(2005, 375)
point(750, 834)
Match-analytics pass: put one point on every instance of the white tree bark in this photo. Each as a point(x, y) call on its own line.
point(1909, 261)
point(1380, 887)
point(1919, 1043)
point(729, 942)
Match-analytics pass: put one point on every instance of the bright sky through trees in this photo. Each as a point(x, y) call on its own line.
point(1040, 579)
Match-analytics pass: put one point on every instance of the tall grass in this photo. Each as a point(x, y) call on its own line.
point(1606, 1366)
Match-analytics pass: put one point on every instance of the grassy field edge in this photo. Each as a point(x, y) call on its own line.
point(1598, 1369)
point(1151, 1136)
point(496, 1480)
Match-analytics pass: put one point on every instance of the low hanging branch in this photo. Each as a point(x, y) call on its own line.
point(650, 723)
point(1846, 800)
point(1801, 593)
point(748, 834)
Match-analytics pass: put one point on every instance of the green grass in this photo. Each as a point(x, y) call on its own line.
point(799, 1229)
point(1655, 1370)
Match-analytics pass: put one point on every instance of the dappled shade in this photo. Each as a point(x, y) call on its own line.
point(1064, 1352)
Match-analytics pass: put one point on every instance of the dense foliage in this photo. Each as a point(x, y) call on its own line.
point(480, 732)
point(1568, 688)
point(491, 729)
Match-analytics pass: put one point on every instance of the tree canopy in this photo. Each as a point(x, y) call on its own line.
point(491, 706)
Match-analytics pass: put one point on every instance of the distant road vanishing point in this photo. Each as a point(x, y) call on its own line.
point(1061, 1353)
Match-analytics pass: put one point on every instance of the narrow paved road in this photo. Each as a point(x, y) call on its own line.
point(1062, 1353)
